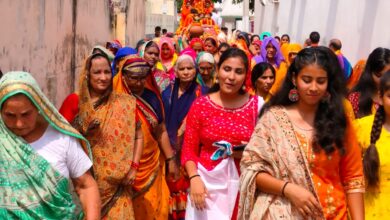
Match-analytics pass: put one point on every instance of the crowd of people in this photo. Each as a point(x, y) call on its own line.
point(234, 126)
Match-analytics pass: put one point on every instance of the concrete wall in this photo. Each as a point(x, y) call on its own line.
point(51, 39)
point(361, 25)
point(160, 13)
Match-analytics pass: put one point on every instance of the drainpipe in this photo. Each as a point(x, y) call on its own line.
point(73, 46)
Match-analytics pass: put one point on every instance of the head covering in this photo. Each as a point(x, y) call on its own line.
point(190, 52)
point(119, 55)
point(244, 36)
point(205, 57)
point(101, 49)
point(169, 42)
point(257, 42)
point(135, 63)
point(114, 44)
point(136, 66)
point(143, 47)
point(264, 35)
point(33, 187)
point(263, 53)
point(194, 41)
point(290, 48)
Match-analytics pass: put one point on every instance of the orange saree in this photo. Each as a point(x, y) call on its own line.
point(150, 190)
point(151, 196)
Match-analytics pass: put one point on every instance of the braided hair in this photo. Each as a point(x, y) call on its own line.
point(371, 161)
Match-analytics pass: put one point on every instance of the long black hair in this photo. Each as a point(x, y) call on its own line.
point(376, 62)
point(371, 161)
point(330, 119)
point(231, 53)
point(259, 69)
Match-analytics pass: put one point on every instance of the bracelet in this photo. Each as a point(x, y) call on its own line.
point(193, 176)
point(169, 159)
point(284, 186)
point(134, 165)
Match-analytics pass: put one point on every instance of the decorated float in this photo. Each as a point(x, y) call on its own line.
point(196, 19)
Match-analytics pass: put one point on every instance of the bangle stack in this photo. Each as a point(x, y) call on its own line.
point(284, 186)
point(134, 165)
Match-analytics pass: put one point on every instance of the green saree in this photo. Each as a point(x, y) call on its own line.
point(30, 188)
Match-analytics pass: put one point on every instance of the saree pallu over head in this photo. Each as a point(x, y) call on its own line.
point(103, 50)
point(162, 78)
point(205, 57)
point(30, 188)
point(278, 59)
point(119, 85)
point(151, 194)
point(109, 125)
point(123, 52)
point(169, 63)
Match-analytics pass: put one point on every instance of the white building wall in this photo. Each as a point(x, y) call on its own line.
point(160, 13)
point(361, 25)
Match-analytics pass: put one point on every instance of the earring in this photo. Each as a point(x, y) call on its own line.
point(293, 95)
point(243, 87)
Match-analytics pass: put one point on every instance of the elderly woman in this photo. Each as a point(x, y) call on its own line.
point(177, 100)
point(206, 67)
point(151, 193)
point(39, 152)
point(116, 152)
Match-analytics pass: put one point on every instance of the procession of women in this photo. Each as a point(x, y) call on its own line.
point(204, 123)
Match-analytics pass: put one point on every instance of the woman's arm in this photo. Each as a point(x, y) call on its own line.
point(299, 196)
point(88, 192)
point(138, 146)
point(165, 146)
point(198, 190)
point(356, 205)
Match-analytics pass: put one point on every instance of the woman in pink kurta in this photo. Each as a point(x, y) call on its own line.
point(208, 123)
point(216, 125)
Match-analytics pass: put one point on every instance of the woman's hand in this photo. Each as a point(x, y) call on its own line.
point(173, 170)
point(130, 177)
point(303, 200)
point(198, 193)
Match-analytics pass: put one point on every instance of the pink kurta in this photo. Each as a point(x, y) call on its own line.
point(208, 122)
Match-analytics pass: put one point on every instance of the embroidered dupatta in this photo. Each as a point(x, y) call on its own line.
point(29, 186)
point(273, 149)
